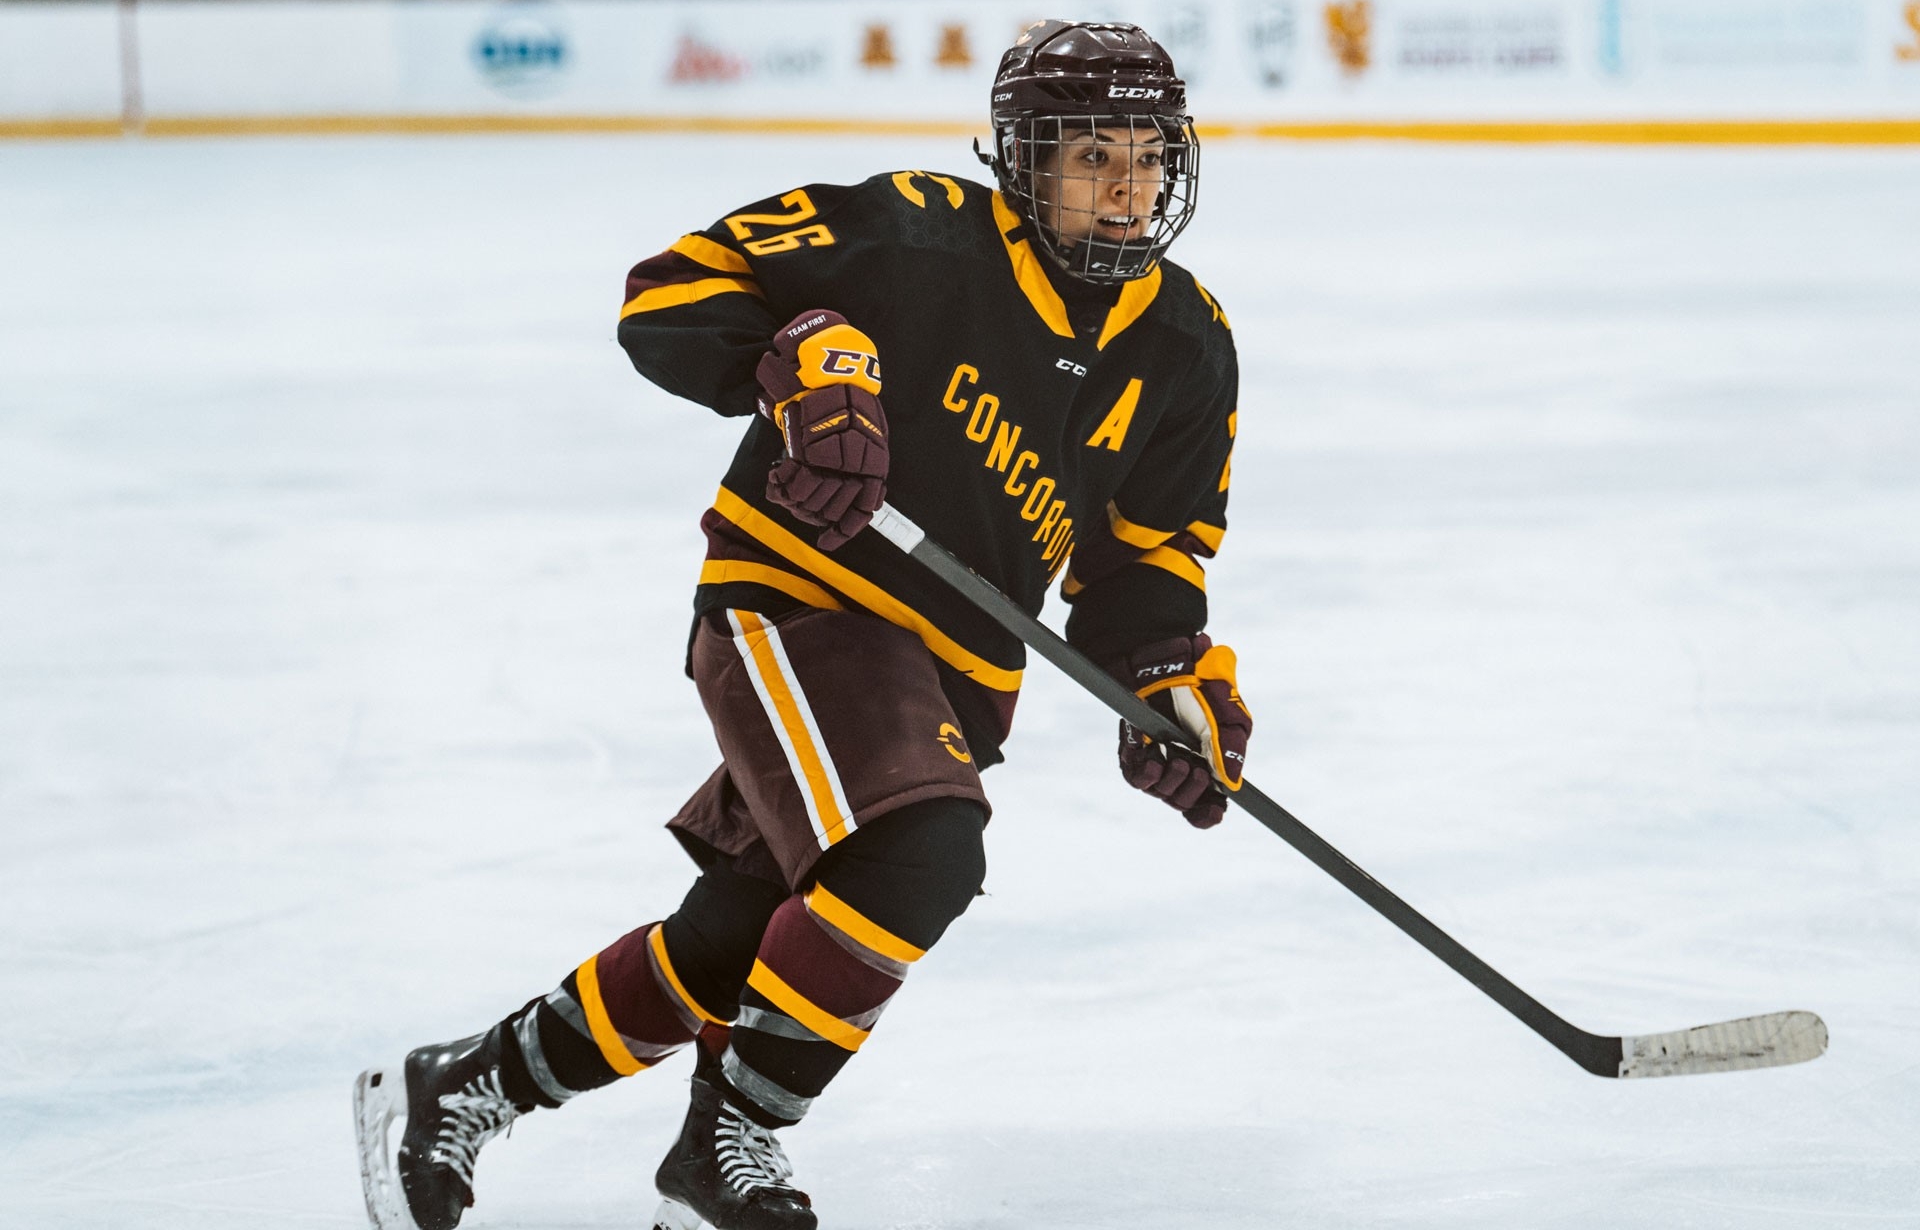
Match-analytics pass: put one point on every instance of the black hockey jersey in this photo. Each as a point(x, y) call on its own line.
point(1032, 418)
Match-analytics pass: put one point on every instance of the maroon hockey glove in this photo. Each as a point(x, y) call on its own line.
point(1191, 681)
point(820, 384)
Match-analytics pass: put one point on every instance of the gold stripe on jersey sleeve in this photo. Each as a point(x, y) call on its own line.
point(688, 292)
point(722, 571)
point(1233, 432)
point(712, 255)
point(1131, 534)
point(1180, 564)
point(1212, 535)
point(1218, 314)
point(1135, 297)
point(860, 928)
point(800, 1008)
point(1026, 271)
point(865, 592)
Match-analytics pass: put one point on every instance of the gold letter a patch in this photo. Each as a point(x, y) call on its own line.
point(1113, 431)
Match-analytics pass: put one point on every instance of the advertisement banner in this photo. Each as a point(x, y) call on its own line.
point(1292, 66)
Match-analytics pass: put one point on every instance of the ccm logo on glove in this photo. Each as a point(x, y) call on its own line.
point(820, 384)
point(1191, 680)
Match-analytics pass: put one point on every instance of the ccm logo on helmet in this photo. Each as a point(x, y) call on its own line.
point(1134, 91)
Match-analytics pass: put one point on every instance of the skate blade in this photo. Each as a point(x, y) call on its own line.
point(672, 1215)
point(380, 1097)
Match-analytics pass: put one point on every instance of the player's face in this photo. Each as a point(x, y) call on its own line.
point(1100, 183)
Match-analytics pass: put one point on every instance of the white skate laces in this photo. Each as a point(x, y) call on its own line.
point(477, 1113)
point(750, 1156)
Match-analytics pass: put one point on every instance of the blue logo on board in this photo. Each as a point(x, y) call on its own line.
point(522, 52)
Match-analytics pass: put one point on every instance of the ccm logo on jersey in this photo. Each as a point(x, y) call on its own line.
point(1134, 91)
point(1068, 365)
point(850, 363)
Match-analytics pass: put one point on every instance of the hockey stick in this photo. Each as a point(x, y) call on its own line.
point(1766, 1041)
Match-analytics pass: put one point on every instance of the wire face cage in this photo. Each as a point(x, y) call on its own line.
point(1106, 194)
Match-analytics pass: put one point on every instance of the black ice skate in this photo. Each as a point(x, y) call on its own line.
point(451, 1096)
point(726, 1171)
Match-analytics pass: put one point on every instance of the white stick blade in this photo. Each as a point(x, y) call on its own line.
point(1730, 1046)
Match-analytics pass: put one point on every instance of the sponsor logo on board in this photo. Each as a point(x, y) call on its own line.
point(1811, 35)
point(1183, 28)
point(523, 51)
point(1272, 37)
point(1481, 41)
point(1349, 26)
point(701, 59)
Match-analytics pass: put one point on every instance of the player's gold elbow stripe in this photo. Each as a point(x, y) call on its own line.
point(712, 255)
point(1135, 297)
point(865, 592)
point(1027, 272)
point(1131, 534)
point(612, 1049)
point(722, 571)
point(1179, 563)
point(657, 940)
point(861, 928)
point(803, 1010)
point(807, 757)
point(1212, 535)
point(688, 292)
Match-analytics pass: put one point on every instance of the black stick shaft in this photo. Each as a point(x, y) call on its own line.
point(1596, 1053)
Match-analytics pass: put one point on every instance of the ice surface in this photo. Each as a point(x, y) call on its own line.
point(1574, 570)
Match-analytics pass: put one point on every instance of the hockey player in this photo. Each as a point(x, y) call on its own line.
point(1022, 373)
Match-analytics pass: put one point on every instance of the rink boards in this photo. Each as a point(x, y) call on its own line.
point(1618, 70)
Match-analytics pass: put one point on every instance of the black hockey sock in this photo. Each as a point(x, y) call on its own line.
point(545, 1058)
point(715, 933)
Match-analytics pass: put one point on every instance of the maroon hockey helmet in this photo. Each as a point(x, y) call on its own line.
point(1064, 80)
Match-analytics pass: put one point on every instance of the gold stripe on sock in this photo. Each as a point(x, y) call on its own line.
point(803, 1010)
point(657, 941)
point(612, 1049)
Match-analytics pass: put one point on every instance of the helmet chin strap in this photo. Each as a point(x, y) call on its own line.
point(1100, 256)
point(1103, 258)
